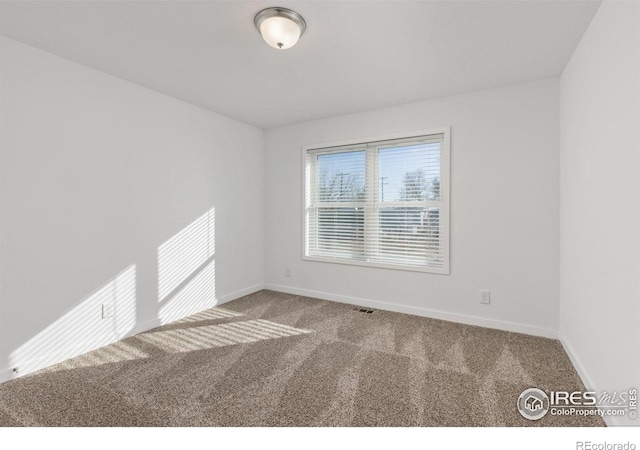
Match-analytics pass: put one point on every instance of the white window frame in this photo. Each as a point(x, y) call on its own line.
point(445, 202)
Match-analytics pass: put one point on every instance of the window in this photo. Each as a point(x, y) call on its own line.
point(383, 203)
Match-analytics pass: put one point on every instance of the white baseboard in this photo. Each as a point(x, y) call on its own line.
point(141, 327)
point(154, 323)
point(611, 421)
point(7, 374)
point(241, 293)
point(418, 311)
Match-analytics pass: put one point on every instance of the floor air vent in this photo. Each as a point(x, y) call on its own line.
point(363, 310)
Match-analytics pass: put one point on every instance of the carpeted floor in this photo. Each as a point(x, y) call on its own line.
point(273, 359)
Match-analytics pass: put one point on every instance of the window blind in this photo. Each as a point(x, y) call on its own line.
point(379, 203)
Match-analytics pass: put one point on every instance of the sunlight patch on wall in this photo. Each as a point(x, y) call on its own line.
point(186, 270)
point(197, 294)
point(185, 252)
point(202, 338)
point(83, 328)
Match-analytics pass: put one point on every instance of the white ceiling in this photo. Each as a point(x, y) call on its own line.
point(354, 56)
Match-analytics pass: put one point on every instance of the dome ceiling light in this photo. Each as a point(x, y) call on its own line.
point(280, 27)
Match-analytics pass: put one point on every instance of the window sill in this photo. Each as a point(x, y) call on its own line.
point(355, 262)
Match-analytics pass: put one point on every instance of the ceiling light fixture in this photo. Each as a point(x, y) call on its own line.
point(280, 27)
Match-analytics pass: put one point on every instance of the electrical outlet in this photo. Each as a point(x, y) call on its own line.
point(287, 272)
point(107, 310)
point(485, 297)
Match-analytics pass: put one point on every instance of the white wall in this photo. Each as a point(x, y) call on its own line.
point(504, 210)
point(97, 173)
point(600, 201)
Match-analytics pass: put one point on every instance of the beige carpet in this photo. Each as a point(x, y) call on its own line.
point(273, 359)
